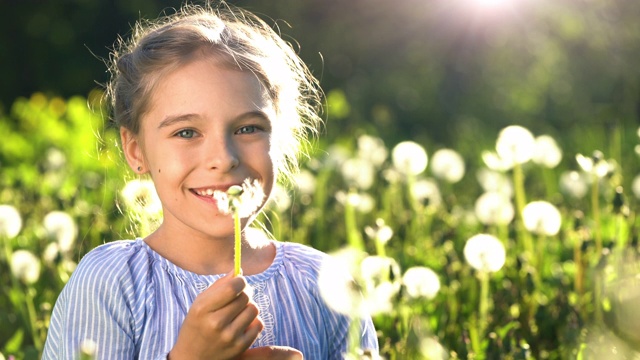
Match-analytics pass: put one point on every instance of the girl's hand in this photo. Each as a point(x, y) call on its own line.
point(272, 353)
point(221, 324)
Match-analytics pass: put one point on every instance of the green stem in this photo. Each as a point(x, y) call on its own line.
point(237, 258)
point(33, 321)
point(484, 302)
point(354, 237)
point(595, 205)
point(518, 187)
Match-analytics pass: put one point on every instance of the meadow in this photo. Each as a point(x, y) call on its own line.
point(522, 247)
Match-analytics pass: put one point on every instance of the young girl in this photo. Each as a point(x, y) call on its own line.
point(205, 99)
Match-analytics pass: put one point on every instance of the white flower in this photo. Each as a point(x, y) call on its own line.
point(541, 217)
point(595, 165)
point(247, 201)
point(410, 158)
point(485, 253)
point(380, 275)
point(280, 198)
point(494, 181)
point(88, 347)
point(420, 281)
point(380, 233)
point(358, 172)
point(337, 285)
point(61, 227)
point(515, 144)
point(335, 156)
point(10, 221)
point(362, 202)
point(431, 349)
point(574, 184)
point(635, 186)
point(55, 159)
point(448, 165)
point(372, 149)
point(25, 266)
point(305, 182)
point(547, 152)
point(494, 208)
point(426, 191)
point(51, 253)
point(141, 197)
point(495, 162)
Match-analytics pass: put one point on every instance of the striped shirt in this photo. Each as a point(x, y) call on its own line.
point(131, 302)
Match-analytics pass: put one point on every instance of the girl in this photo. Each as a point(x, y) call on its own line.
point(205, 99)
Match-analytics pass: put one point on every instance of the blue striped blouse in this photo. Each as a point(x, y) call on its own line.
point(131, 302)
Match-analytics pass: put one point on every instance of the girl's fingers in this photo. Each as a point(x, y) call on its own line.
point(220, 293)
point(272, 352)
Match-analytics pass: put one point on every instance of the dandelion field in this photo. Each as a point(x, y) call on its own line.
point(522, 248)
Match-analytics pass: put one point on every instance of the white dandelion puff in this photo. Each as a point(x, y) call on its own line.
point(358, 172)
point(280, 198)
point(596, 164)
point(494, 162)
point(635, 186)
point(51, 253)
point(496, 181)
point(574, 184)
point(409, 158)
point(485, 253)
point(380, 233)
point(426, 191)
point(515, 144)
point(10, 221)
point(25, 266)
point(140, 196)
point(541, 217)
point(494, 208)
point(88, 347)
point(61, 227)
point(547, 152)
point(448, 165)
point(247, 201)
point(372, 149)
point(421, 282)
point(305, 182)
point(337, 283)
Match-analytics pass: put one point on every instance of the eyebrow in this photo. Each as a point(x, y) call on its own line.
point(174, 119)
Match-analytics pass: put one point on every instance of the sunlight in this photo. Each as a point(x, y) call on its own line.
point(489, 3)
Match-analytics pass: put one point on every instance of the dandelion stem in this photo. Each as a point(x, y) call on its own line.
point(484, 302)
point(595, 205)
point(33, 321)
point(518, 185)
point(237, 258)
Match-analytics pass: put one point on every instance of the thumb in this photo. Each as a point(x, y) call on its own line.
point(272, 353)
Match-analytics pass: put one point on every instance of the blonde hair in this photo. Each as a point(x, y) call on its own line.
point(241, 41)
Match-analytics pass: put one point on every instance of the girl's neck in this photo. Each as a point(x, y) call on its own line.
point(209, 256)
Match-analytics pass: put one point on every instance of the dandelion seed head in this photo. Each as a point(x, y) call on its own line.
point(485, 253)
point(10, 221)
point(426, 191)
point(381, 278)
point(448, 165)
point(495, 162)
point(409, 158)
point(547, 152)
point(61, 227)
point(635, 186)
point(337, 285)
point(494, 208)
point(246, 202)
point(515, 144)
point(88, 347)
point(25, 266)
point(431, 349)
point(51, 253)
point(595, 165)
point(542, 217)
point(372, 149)
point(574, 184)
point(358, 172)
point(305, 182)
point(496, 181)
point(140, 196)
point(54, 159)
point(380, 233)
point(421, 282)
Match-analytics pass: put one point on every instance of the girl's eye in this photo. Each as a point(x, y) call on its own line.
point(186, 133)
point(250, 129)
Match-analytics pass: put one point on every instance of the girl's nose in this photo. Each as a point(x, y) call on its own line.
point(221, 154)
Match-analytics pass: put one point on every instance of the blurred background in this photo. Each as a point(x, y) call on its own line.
point(430, 70)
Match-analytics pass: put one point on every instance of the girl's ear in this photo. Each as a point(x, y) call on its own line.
point(132, 150)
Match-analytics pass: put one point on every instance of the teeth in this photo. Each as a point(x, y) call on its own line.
point(207, 192)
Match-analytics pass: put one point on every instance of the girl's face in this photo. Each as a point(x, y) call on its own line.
point(208, 127)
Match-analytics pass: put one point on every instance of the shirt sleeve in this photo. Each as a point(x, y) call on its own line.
point(93, 306)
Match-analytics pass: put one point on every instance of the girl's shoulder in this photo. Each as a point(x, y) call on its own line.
point(302, 258)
